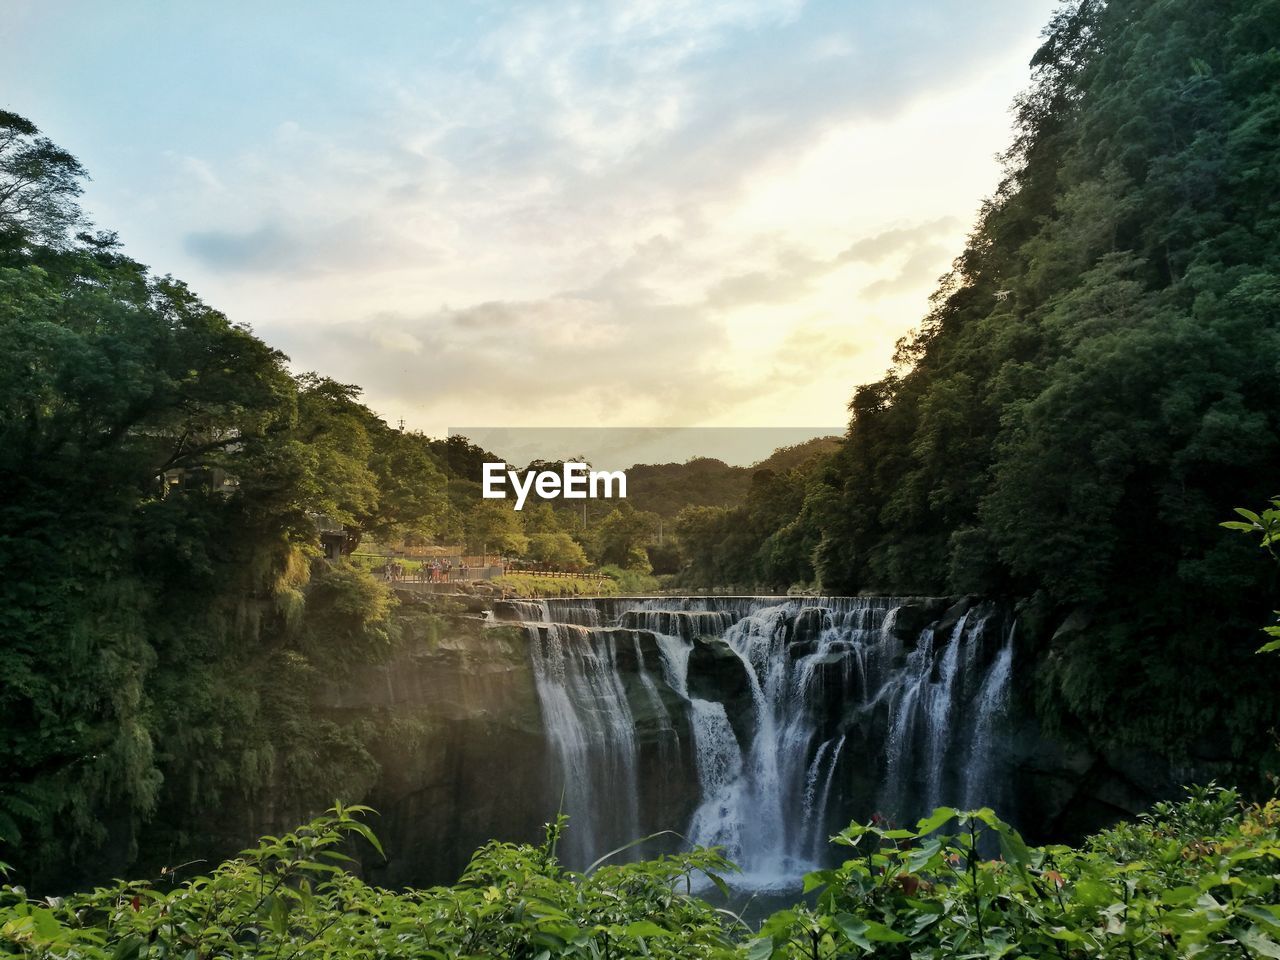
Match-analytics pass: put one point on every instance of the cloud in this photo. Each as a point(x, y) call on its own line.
point(396, 341)
point(882, 245)
point(652, 211)
point(758, 286)
point(792, 274)
point(289, 248)
point(789, 275)
point(804, 344)
point(267, 248)
point(201, 172)
point(567, 358)
point(924, 266)
point(615, 349)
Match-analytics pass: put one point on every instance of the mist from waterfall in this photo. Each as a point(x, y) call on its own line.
point(765, 724)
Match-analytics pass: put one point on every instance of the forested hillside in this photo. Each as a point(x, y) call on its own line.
point(1093, 391)
point(1096, 386)
point(163, 480)
point(166, 619)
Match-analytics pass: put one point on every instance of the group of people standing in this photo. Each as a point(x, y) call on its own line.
point(440, 571)
point(437, 571)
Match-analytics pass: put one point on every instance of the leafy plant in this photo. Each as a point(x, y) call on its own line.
point(290, 897)
point(1190, 879)
point(1198, 878)
point(1267, 526)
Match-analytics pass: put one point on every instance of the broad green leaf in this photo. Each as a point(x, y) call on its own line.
point(1263, 914)
point(854, 929)
point(882, 934)
point(719, 883)
point(935, 820)
point(817, 879)
point(1012, 846)
point(1062, 933)
point(646, 928)
point(1259, 943)
point(918, 859)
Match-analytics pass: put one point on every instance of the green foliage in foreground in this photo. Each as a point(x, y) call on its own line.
point(290, 897)
point(1267, 525)
point(1198, 878)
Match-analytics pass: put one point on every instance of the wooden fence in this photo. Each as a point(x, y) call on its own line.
point(397, 570)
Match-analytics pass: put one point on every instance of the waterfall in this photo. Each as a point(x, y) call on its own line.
point(589, 723)
point(981, 787)
point(817, 797)
point(762, 724)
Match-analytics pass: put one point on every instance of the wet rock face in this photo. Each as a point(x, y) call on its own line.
point(1067, 789)
point(807, 626)
point(834, 674)
point(717, 673)
point(911, 618)
point(664, 746)
point(686, 624)
point(466, 756)
point(953, 615)
point(463, 755)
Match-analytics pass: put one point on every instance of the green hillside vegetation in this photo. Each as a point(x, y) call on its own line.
point(1094, 389)
point(666, 489)
point(165, 614)
point(163, 618)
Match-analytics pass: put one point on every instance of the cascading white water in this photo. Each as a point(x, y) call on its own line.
point(826, 709)
point(980, 786)
point(588, 720)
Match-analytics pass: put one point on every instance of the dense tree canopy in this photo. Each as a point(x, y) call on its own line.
point(1096, 385)
point(163, 478)
point(1093, 390)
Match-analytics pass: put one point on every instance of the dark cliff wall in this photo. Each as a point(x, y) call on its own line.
point(461, 748)
point(1067, 783)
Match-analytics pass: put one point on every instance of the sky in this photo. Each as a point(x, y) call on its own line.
point(659, 213)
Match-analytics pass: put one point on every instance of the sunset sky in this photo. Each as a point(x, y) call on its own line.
point(543, 214)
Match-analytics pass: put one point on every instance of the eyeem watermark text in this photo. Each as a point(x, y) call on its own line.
point(575, 481)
